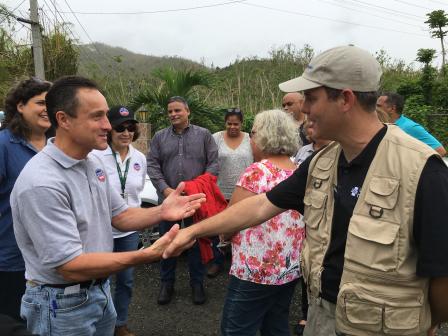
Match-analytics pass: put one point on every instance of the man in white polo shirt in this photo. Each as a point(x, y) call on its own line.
point(62, 206)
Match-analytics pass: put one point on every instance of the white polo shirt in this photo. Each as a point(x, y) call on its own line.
point(62, 207)
point(135, 180)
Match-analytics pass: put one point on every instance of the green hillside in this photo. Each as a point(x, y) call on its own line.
point(250, 83)
point(105, 59)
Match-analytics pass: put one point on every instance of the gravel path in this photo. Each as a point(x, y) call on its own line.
point(181, 316)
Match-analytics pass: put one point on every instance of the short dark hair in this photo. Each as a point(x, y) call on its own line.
point(178, 99)
point(394, 99)
point(21, 93)
point(234, 111)
point(367, 100)
point(62, 96)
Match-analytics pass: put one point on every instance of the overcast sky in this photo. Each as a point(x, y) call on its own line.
point(226, 30)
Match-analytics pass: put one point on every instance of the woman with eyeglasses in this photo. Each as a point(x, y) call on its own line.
point(234, 155)
point(22, 135)
point(126, 169)
point(265, 258)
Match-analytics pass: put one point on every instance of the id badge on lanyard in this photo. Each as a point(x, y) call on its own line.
point(125, 196)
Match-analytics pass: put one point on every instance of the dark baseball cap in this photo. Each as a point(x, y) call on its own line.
point(119, 114)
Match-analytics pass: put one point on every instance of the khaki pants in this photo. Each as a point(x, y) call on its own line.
point(321, 319)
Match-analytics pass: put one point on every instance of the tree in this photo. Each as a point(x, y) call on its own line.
point(60, 54)
point(437, 21)
point(16, 59)
point(426, 56)
point(185, 83)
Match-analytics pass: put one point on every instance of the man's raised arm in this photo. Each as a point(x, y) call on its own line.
point(249, 212)
point(174, 207)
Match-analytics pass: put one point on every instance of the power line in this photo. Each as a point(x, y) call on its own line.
point(370, 14)
point(161, 11)
point(10, 13)
point(333, 20)
point(79, 22)
point(88, 36)
point(411, 4)
point(66, 26)
point(419, 18)
point(65, 23)
point(383, 10)
point(439, 2)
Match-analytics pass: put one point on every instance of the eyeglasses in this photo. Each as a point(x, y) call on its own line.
point(234, 110)
point(122, 128)
point(252, 133)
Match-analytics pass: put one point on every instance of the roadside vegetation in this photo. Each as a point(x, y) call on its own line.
point(146, 82)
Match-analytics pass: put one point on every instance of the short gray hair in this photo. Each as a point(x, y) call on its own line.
point(276, 133)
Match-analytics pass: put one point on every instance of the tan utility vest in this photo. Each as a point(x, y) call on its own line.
point(380, 293)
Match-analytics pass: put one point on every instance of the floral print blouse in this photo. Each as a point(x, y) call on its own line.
point(268, 253)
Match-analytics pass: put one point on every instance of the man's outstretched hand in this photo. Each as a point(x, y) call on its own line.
point(176, 206)
point(183, 240)
point(158, 247)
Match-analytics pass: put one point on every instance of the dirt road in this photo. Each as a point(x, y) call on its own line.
point(181, 316)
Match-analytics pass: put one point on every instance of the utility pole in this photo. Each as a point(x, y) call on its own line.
point(38, 54)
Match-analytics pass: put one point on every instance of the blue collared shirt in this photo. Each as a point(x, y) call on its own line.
point(15, 152)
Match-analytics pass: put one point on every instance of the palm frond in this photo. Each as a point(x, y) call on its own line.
point(185, 83)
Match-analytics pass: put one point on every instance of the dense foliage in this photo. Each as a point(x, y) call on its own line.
point(146, 82)
point(16, 56)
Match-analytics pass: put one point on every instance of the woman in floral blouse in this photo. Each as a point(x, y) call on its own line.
point(265, 258)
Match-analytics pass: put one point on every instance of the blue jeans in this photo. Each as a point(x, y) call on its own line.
point(250, 307)
point(49, 312)
point(195, 265)
point(124, 279)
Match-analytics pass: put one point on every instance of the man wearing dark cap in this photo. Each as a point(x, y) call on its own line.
point(63, 207)
point(374, 204)
point(180, 152)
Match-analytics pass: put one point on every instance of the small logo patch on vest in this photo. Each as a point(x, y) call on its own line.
point(137, 166)
point(100, 174)
point(355, 191)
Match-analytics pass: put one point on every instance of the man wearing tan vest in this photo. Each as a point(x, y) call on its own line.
point(374, 202)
